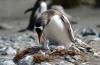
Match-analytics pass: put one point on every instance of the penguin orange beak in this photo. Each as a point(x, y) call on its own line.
point(41, 36)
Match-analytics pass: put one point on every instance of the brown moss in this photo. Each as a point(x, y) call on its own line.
point(20, 55)
point(39, 57)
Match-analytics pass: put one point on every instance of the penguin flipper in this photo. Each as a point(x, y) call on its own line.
point(69, 27)
point(28, 10)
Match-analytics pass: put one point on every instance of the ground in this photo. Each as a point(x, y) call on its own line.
point(85, 16)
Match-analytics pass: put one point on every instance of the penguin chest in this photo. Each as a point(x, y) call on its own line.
point(55, 30)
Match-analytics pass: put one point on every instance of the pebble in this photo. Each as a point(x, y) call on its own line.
point(97, 54)
point(65, 63)
point(45, 63)
point(26, 61)
point(10, 51)
point(5, 26)
point(85, 63)
point(7, 51)
point(69, 59)
point(9, 62)
point(2, 50)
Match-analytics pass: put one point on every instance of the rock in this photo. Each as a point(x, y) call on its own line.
point(85, 63)
point(7, 51)
point(37, 64)
point(45, 63)
point(69, 59)
point(52, 47)
point(26, 60)
point(88, 31)
point(65, 63)
point(87, 34)
point(76, 57)
point(98, 25)
point(59, 48)
point(5, 26)
point(10, 51)
point(9, 62)
point(86, 50)
point(2, 50)
point(97, 54)
point(62, 63)
point(73, 22)
point(99, 35)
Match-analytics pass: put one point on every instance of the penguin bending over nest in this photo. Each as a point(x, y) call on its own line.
point(55, 26)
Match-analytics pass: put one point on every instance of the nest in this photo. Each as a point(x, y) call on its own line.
point(25, 52)
point(41, 58)
point(50, 56)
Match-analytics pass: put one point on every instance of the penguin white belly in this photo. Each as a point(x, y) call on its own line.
point(41, 9)
point(55, 30)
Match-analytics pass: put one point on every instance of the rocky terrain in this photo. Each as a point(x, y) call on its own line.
point(11, 41)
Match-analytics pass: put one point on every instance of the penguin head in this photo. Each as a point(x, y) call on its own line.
point(39, 28)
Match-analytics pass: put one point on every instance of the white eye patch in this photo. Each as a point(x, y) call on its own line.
point(40, 27)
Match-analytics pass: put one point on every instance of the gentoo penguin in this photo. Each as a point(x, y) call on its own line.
point(39, 7)
point(52, 24)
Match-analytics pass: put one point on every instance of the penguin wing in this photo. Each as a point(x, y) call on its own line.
point(28, 10)
point(68, 27)
point(34, 8)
